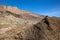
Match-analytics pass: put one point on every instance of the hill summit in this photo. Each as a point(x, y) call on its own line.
point(12, 9)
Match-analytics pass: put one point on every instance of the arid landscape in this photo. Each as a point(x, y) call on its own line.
point(16, 24)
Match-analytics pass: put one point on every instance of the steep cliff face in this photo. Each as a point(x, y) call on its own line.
point(23, 25)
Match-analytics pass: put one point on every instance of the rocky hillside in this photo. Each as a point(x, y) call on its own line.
point(16, 24)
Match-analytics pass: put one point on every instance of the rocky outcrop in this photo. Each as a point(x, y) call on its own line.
point(49, 28)
point(27, 26)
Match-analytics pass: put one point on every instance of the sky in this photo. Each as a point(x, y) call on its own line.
point(42, 7)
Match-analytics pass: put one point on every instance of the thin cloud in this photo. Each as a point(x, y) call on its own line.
point(53, 13)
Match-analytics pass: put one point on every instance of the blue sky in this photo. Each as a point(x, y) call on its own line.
point(44, 7)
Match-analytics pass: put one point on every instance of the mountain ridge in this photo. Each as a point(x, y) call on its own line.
point(22, 25)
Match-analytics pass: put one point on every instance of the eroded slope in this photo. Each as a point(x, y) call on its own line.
point(23, 25)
